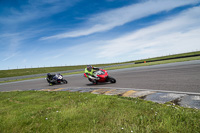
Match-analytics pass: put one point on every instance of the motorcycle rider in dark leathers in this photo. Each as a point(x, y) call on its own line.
point(51, 78)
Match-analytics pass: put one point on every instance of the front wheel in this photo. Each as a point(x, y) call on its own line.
point(112, 80)
point(64, 81)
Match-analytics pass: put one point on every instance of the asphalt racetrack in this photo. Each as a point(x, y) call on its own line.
point(182, 77)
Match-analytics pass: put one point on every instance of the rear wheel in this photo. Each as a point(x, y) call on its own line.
point(95, 82)
point(90, 79)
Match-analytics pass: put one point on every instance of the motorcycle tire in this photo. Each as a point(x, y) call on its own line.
point(64, 81)
point(95, 82)
point(112, 80)
point(90, 79)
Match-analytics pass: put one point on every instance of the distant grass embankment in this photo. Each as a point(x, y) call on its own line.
point(170, 57)
point(155, 63)
point(31, 71)
point(35, 111)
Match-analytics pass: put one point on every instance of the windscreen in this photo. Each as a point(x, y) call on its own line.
point(100, 72)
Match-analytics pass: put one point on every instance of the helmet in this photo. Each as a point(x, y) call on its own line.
point(48, 75)
point(89, 68)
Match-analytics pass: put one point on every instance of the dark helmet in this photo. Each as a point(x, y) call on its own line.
point(48, 75)
point(89, 68)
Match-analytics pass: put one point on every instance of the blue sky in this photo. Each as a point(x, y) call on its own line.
point(35, 33)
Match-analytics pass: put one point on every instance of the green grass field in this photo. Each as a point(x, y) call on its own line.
point(31, 71)
point(42, 112)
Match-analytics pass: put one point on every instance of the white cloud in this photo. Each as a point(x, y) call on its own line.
point(117, 17)
point(35, 9)
point(175, 35)
point(10, 56)
point(11, 44)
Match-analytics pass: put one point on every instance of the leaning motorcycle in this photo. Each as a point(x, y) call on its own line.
point(100, 76)
point(53, 79)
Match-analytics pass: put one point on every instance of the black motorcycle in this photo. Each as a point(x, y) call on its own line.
point(53, 79)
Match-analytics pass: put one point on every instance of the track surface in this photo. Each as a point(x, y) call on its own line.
point(182, 76)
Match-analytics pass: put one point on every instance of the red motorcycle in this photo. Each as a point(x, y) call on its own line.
point(100, 76)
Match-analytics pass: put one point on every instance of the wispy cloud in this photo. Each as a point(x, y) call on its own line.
point(12, 42)
point(177, 34)
point(10, 56)
point(117, 17)
point(35, 9)
point(23, 25)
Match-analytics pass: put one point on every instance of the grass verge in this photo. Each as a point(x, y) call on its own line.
point(36, 111)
